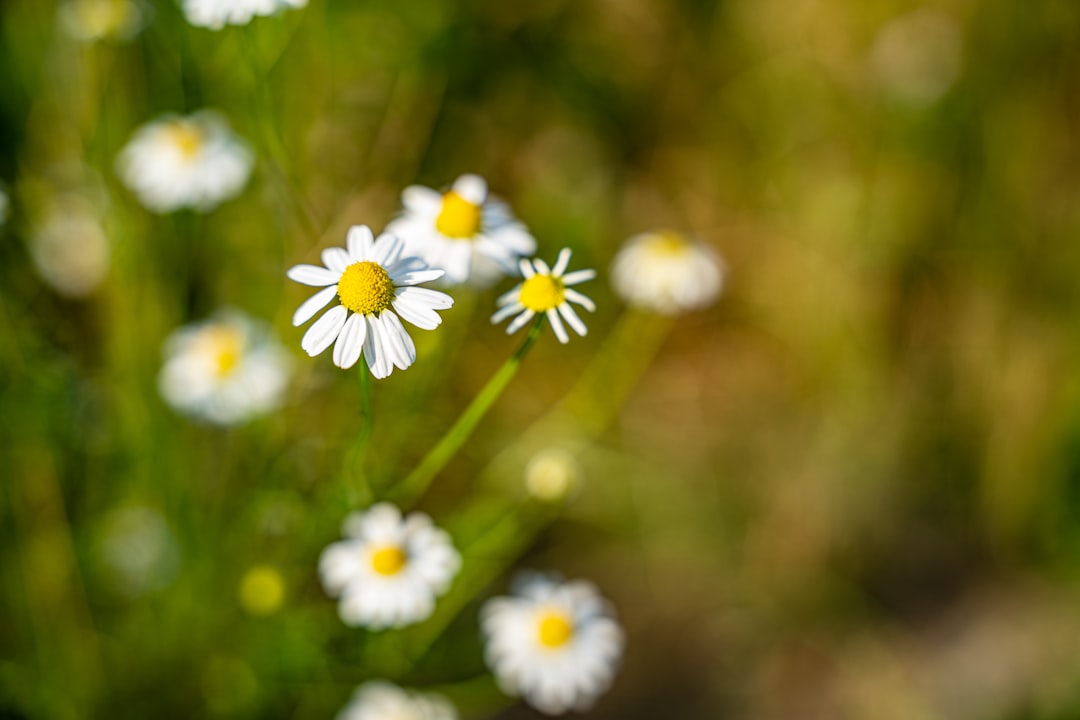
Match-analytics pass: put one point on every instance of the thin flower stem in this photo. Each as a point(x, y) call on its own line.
point(358, 486)
point(413, 486)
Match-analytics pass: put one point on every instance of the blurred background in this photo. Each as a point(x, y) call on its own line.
point(850, 489)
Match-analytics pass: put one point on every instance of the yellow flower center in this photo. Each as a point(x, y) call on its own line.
point(365, 288)
point(262, 590)
point(540, 293)
point(668, 242)
point(186, 137)
point(388, 560)
point(223, 346)
point(458, 218)
point(555, 629)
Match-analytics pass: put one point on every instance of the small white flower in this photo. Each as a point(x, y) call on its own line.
point(666, 273)
point(373, 283)
point(379, 700)
point(390, 570)
point(546, 290)
point(69, 248)
point(555, 644)
point(225, 370)
point(216, 14)
point(176, 162)
point(466, 232)
point(94, 20)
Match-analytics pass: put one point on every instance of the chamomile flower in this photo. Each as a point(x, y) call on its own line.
point(194, 161)
point(224, 370)
point(374, 285)
point(379, 700)
point(389, 570)
point(464, 231)
point(555, 644)
point(546, 290)
point(666, 273)
point(216, 14)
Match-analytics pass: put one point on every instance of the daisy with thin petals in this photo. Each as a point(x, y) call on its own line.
point(224, 370)
point(389, 570)
point(216, 14)
point(555, 644)
point(667, 273)
point(546, 290)
point(176, 162)
point(380, 700)
point(374, 284)
point(465, 231)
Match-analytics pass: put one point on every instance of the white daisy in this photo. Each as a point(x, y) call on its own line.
point(546, 290)
point(194, 161)
point(216, 14)
point(466, 232)
point(94, 20)
point(555, 644)
point(373, 283)
point(381, 700)
point(225, 370)
point(666, 273)
point(390, 570)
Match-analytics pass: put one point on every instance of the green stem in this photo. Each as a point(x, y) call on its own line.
point(413, 486)
point(358, 487)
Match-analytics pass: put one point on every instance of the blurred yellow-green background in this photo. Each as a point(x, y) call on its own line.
point(849, 489)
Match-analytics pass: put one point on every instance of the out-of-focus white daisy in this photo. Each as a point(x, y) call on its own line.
point(69, 247)
point(464, 231)
point(194, 161)
point(94, 20)
point(380, 700)
point(555, 644)
point(917, 56)
point(666, 272)
point(546, 290)
point(374, 285)
point(389, 570)
point(224, 370)
point(552, 474)
point(216, 14)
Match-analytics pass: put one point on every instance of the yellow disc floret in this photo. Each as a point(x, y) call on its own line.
point(667, 242)
point(458, 217)
point(541, 293)
point(554, 629)
point(222, 346)
point(365, 288)
point(186, 136)
point(388, 560)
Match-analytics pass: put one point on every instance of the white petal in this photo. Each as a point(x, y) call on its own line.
point(335, 258)
point(312, 305)
point(324, 331)
point(312, 275)
point(519, 321)
point(374, 351)
point(541, 266)
point(387, 249)
point(506, 311)
point(572, 319)
point(578, 276)
point(418, 314)
point(526, 269)
point(561, 263)
point(416, 277)
point(398, 338)
point(557, 326)
point(580, 299)
point(350, 342)
point(430, 298)
point(472, 188)
point(361, 242)
point(420, 199)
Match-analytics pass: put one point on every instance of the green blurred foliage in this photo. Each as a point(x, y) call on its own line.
point(850, 490)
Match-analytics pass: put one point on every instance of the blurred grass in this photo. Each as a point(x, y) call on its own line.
point(848, 491)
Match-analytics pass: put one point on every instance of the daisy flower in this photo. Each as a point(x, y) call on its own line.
point(546, 290)
point(192, 161)
point(666, 273)
point(374, 285)
point(389, 570)
point(466, 232)
point(216, 14)
point(379, 700)
point(225, 370)
point(556, 644)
